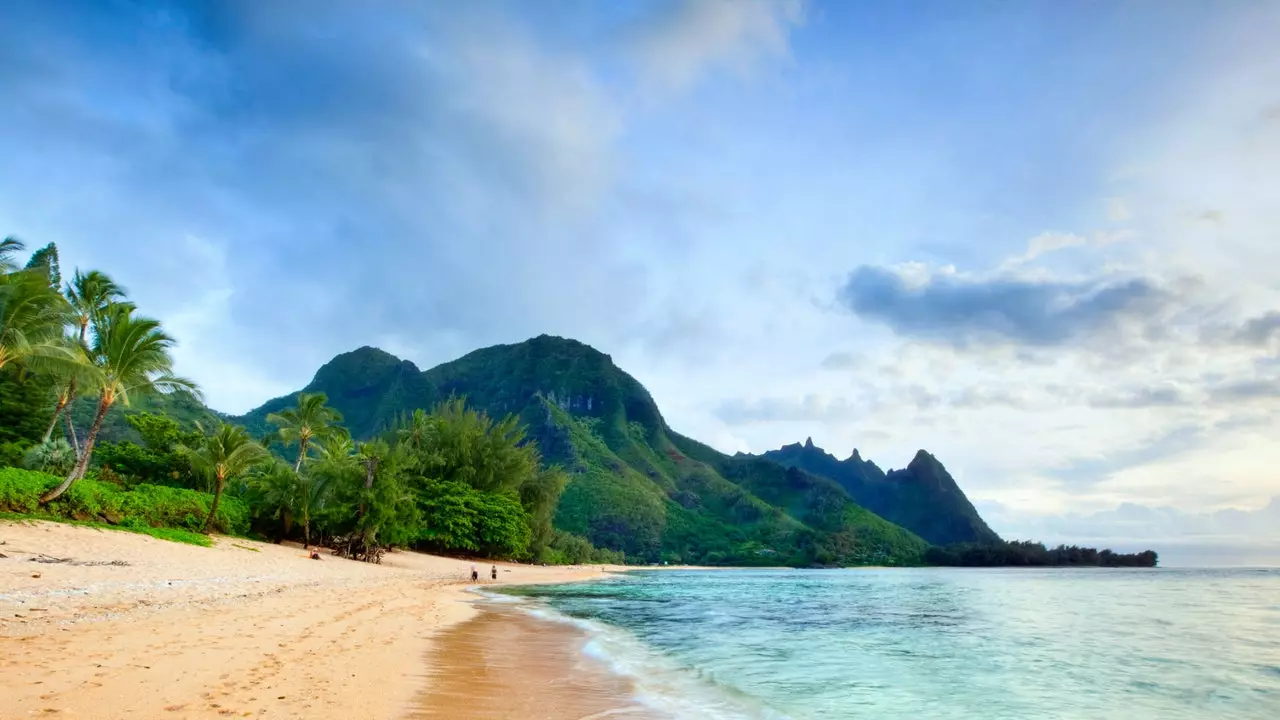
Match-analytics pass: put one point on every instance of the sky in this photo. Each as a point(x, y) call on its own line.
point(1039, 239)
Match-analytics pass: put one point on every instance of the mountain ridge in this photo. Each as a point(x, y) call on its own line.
point(636, 485)
point(922, 497)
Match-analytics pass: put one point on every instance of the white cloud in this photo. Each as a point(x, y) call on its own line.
point(1118, 210)
point(699, 36)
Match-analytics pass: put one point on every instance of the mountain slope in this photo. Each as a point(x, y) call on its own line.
point(634, 484)
point(922, 498)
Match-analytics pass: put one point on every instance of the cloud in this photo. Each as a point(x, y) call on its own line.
point(962, 311)
point(695, 37)
point(1118, 209)
point(808, 408)
point(843, 361)
point(1169, 444)
point(431, 173)
point(1245, 391)
point(1259, 330)
point(1147, 397)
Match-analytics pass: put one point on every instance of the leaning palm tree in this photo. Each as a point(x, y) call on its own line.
point(88, 296)
point(311, 420)
point(225, 454)
point(131, 357)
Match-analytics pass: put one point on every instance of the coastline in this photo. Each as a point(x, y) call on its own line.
point(131, 626)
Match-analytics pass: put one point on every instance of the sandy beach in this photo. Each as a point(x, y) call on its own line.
point(127, 626)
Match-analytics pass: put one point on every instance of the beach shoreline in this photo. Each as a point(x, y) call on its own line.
point(97, 623)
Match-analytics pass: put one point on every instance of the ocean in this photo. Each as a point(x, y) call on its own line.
point(934, 643)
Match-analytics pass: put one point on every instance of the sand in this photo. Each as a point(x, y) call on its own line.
point(158, 629)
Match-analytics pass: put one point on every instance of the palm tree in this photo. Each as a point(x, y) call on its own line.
point(131, 357)
point(8, 248)
point(311, 420)
point(88, 295)
point(335, 457)
point(275, 492)
point(32, 316)
point(227, 453)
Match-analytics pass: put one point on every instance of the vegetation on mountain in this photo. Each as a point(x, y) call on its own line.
point(922, 498)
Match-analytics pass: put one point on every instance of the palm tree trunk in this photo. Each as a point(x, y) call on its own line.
point(78, 471)
point(302, 452)
point(71, 430)
point(306, 528)
point(213, 509)
point(53, 421)
point(71, 433)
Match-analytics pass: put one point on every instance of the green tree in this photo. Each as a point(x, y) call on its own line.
point(88, 295)
point(227, 453)
point(45, 261)
point(274, 493)
point(311, 420)
point(131, 357)
point(32, 316)
point(539, 495)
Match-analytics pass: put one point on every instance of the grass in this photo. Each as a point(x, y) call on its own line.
point(170, 534)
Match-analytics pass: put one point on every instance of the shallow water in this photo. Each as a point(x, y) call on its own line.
point(937, 643)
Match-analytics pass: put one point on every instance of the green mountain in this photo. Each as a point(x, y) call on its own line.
point(923, 498)
point(635, 485)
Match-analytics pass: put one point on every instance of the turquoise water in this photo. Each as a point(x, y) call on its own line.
point(938, 643)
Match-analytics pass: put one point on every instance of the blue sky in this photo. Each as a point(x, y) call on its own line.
point(1038, 239)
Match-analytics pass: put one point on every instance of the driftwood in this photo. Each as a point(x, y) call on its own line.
point(356, 547)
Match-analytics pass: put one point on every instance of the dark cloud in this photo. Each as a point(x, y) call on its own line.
point(964, 312)
point(1259, 331)
point(1244, 391)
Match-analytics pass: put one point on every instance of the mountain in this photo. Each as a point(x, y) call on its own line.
point(923, 498)
point(635, 484)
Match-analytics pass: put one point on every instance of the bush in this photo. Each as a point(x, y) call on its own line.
point(149, 506)
point(55, 457)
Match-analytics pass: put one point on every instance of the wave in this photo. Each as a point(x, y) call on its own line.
point(661, 684)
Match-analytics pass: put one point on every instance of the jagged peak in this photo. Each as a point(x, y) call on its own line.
point(808, 443)
point(923, 458)
point(856, 456)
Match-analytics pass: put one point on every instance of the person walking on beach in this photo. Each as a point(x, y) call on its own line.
point(474, 575)
point(494, 572)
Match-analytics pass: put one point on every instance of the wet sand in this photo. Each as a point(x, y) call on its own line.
point(505, 665)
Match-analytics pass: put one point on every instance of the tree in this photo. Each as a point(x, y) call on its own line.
point(225, 454)
point(311, 420)
point(88, 295)
point(131, 357)
point(275, 493)
point(335, 462)
point(45, 261)
point(32, 316)
point(9, 247)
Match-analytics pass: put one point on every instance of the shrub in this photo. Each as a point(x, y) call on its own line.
point(144, 506)
point(55, 457)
